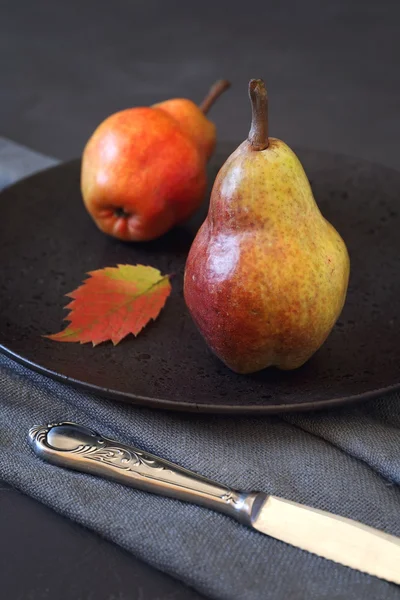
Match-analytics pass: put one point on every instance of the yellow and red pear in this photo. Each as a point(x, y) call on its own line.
point(267, 274)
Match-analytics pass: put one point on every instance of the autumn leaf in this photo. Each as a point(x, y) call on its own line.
point(114, 302)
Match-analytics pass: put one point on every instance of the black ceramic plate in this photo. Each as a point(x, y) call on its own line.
point(48, 243)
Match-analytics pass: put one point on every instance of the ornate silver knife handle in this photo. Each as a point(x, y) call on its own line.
point(331, 536)
point(79, 448)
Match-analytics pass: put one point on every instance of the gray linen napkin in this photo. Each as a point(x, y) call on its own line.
point(17, 161)
point(345, 460)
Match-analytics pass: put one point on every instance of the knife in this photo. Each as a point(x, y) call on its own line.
point(331, 536)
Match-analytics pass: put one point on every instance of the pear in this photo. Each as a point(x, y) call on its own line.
point(144, 168)
point(266, 276)
point(193, 119)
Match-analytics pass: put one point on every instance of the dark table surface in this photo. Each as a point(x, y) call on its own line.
point(332, 73)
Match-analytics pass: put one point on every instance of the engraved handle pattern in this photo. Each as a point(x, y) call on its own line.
point(76, 447)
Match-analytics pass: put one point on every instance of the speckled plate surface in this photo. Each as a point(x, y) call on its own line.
point(48, 243)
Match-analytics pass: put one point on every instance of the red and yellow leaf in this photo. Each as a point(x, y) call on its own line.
point(114, 302)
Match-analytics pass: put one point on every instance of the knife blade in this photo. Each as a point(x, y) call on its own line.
point(330, 536)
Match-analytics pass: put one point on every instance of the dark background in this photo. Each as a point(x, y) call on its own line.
point(332, 70)
point(331, 67)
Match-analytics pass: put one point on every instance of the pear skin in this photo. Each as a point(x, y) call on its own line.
point(193, 119)
point(267, 275)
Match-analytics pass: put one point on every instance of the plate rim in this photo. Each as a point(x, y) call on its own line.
point(193, 407)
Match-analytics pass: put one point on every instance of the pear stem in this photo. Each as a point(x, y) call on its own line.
point(258, 135)
point(216, 90)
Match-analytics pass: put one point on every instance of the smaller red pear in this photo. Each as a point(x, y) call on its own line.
point(144, 169)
